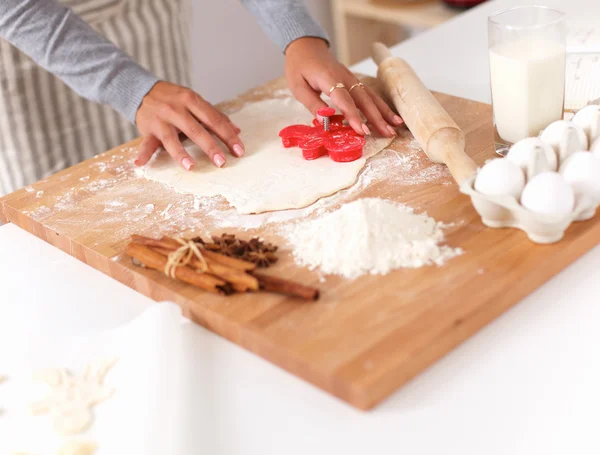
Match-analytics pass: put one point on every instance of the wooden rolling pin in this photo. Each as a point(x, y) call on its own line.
point(438, 135)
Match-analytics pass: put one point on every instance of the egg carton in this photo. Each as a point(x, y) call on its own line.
point(507, 212)
point(550, 151)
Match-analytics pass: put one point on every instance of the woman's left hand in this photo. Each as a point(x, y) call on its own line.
point(311, 69)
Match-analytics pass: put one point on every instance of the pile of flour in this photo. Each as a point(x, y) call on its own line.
point(369, 236)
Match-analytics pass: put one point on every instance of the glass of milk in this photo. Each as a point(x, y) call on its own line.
point(527, 47)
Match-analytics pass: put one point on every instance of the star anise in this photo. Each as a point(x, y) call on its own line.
point(225, 239)
point(261, 259)
point(255, 250)
point(199, 240)
point(270, 248)
point(205, 245)
point(238, 249)
point(212, 247)
point(226, 244)
point(255, 244)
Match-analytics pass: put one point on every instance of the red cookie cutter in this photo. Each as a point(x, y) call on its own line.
point(332, 138)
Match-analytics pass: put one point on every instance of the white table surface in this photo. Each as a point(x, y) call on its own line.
point(526, 384)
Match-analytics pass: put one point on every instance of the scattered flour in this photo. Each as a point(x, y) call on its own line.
point(119, 202)
point(407, 169)
point(64, 202)
point(98, 185)
point(369, 236)
point(101, 166)
point(412, 168)
point(114, 205)
point(231, 218)
point(40, 212)
point(282, 92)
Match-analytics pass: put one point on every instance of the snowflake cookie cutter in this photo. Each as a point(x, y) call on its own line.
point(332, 138)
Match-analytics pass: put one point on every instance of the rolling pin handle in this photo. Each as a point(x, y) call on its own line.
point(433, 128)
point(380, 53)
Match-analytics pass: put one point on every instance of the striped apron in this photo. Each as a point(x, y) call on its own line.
point(46, 127)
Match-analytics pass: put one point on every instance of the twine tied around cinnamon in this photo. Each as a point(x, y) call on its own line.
point(182, 257)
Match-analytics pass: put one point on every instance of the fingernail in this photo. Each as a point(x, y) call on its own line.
point(137, 162)
point(366, 129)
point(188, 164)
point(238, 150)
point(392, 130)
point(398, 120)
point(219, 160)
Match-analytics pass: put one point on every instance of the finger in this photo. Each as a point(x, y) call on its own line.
point(235, 127)
point(369, 109)
point(207, 143)
point(342, 99)
point(388, 114)
point(170, 140)
point(149, 145)
point(308, 97)
point(216, 122)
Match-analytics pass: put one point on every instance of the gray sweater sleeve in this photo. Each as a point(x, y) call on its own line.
point(285, 20)
point(62, 43)
point(65, 45)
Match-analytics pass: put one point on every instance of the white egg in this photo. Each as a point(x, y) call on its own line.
point(533, 156)
point(549, 193)
point(588, 118)
point(565, 138)
point(582, 171)
point(500, 177)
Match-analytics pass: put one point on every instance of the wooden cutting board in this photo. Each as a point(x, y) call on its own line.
point(364, 338)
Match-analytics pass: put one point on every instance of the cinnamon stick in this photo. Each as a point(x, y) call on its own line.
point(157, 261)
point(165, 242)
point(212, 256)
point(162, 247)
point(239, 288)
point(270, 283)
point(233, 276)
point(234, 263)
point(172, 244)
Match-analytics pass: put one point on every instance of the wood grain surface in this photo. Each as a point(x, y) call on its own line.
point(364, 338)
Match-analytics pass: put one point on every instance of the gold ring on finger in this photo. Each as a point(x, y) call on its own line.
point(358, 84)
point(339, 85)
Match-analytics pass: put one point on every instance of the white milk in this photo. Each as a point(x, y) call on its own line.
point(528, 86)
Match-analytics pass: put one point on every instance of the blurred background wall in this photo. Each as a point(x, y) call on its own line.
point(230, 53)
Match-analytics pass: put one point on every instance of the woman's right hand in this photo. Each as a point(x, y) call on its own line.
point(168, 109)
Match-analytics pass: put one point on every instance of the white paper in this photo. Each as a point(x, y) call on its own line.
point(583, 36)
point(582, 81)
point(149, 412)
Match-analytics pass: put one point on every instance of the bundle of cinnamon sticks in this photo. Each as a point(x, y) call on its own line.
point(214, 272)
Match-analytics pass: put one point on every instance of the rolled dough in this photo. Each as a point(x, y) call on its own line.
point(268, 177)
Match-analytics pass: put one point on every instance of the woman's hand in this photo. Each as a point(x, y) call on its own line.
point(311, 69)
point(169, 109)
